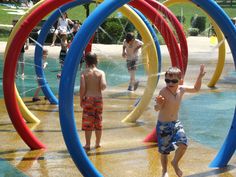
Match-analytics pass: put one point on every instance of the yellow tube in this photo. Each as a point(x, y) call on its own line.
point(220, 37)
point(151, 60)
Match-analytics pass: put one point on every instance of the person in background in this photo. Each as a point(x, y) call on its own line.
point(63, 52)
point(170, 131)
point(36, 93)
point(62, 27)
point(92, 83)
point(130, 52)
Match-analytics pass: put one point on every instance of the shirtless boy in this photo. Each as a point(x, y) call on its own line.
point(92, 83)
point(169, 129)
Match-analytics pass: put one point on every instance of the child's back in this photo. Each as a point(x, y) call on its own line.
point(93, 78)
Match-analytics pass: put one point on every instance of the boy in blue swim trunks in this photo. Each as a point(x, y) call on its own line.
point(170, 131)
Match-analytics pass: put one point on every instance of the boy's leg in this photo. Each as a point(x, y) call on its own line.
point(132, 79)
point(88, 135)
point(178, 155)
point(164, 162)
point(98, 134)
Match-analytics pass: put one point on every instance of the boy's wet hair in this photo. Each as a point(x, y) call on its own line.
point(91, 59)
point(173, 71)
point(129, 37)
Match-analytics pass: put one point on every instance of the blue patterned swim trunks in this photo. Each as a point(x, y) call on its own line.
point(170, 134)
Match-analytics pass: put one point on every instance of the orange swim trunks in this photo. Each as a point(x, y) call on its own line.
point(92, 113)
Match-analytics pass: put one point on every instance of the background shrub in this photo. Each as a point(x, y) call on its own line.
point(193, 31)
point(113, 31)
point(198, 22)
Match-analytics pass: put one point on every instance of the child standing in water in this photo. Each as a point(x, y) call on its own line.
point(130, 52)
point(169, 129)
point(92, 83)
point(36, 93)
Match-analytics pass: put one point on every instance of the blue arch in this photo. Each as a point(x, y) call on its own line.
point(39, 51)
point(66, 87)
point(229, 30)
point(154, 35)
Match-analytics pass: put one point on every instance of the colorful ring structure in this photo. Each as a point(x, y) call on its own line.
point(28, 116)
point(70, 69)
point(38, 49)
point(103, 10)
point(178, 27)
point(12, 108)
point(170, 39)
point(172, 45)
point(151, 137)
point(39, 71)
point(220, 18)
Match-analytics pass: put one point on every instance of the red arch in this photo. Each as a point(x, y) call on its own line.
point(164, 29)
point(178, 27)
point(10, 68)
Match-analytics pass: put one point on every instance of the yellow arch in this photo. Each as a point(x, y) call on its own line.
point(151, 60)
point(28, 116)
point(220, 37)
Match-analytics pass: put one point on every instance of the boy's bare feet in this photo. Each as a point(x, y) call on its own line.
point(97, 146)
point(178, 172)
point(165, 174)
point(86, 148)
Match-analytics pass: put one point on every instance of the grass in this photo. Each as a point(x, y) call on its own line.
point(79, 13)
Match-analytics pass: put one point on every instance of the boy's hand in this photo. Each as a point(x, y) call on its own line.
point(160, 100)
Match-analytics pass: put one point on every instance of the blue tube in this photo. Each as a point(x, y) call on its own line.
point(39, 51)
point(66, 88)
point(229, 30)
point(154, 36)
point(222, 20)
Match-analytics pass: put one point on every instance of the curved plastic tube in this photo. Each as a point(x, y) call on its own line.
point(12, 53)
point(27, 115)
point(38, 49)
point(154, 36)
point(164, 29)
point(69, 71)
point(172, 45)
point(221, 55)
point(229, 30)
point(178, 28)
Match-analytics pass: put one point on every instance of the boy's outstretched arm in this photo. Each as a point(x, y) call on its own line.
point(198, 82)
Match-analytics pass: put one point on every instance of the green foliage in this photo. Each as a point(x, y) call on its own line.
point(198, 22)
point(181, 18)
point(113, 30)
point(193, 31)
